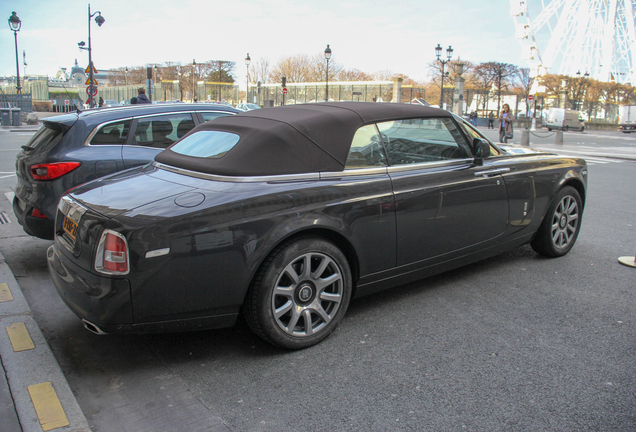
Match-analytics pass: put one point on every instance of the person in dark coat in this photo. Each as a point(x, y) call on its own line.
point(141, 96)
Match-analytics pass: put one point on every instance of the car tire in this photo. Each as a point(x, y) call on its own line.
point(549, 129)
point(566, 128)
point(561, 225)
point(289, 304)
point(582, 129)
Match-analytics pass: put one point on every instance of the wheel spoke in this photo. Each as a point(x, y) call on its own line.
point(306, 267)
point(309, 329)
point(333, 298)
point(284, 291)
point(321, 284)
point(321, 268)
point(291, 272)
point(293, 321)
point(323, 313)
point(279, 312)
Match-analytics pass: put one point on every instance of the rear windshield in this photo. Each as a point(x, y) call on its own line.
point(206, 144)
point(47, 137)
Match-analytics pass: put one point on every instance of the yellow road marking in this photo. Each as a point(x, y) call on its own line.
point(19, 337)
point(47, 406)
point(5, 293)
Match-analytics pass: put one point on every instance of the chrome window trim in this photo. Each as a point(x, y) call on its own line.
point(354, 172)
point(239, 179)
point(426, 165)
point(99, 126)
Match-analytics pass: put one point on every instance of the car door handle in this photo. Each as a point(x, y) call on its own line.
point(490, 173)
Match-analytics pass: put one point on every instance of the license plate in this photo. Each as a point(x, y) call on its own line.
point(70, 227)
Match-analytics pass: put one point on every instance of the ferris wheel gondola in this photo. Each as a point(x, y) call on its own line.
point(565, 36)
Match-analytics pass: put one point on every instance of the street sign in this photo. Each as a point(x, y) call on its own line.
point(530, 97)
point(284, 90)
point(88, 90)
point(88, 69)
point(88, 81)
point(65, 101)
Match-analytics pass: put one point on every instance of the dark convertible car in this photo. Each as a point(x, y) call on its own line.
point(283, 214)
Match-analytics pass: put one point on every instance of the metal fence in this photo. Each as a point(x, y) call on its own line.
point(22, 101)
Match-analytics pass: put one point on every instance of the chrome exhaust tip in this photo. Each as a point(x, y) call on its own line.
point(93, 328)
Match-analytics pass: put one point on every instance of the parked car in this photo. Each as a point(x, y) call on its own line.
point(111, 103)
point(247, 106)
point(74, 148)
point(564, 119)
point(285, 213)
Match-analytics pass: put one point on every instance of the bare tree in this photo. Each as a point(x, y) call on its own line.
point(260, 71)
point(353, 75)
point(501, 75)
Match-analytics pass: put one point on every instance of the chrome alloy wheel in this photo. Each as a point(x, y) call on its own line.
point(307, 294)
point(565, 222)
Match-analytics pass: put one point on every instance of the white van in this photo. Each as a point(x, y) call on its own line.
point(564, 119)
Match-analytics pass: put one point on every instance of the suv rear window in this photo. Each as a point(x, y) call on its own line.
point(46, 138)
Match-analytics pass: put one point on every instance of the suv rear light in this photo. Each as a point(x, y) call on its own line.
point(38, 214)
point(112, 254)
point(53, 170)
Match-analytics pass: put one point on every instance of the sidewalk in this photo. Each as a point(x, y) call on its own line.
point(26, 127)
point(34, 393)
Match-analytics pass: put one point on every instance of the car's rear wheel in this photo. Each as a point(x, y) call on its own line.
point(300, 294)
point(561, 225)
point(566, 128)
point(582, 129)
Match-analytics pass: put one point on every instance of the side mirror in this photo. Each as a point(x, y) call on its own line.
point(481, 150)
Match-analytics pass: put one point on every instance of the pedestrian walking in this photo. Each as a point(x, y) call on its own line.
point(491, 120)
point(141, 96)
point(505, 127)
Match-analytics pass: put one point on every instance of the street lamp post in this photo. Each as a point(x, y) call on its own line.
point(449, 55)
point(14, 25)
point(99, 19)
point(581, 82)
point(248, 60)
point(194, 63)
point(126, 74)
point(327, 57)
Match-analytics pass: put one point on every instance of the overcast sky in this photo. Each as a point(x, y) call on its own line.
point(370, 35)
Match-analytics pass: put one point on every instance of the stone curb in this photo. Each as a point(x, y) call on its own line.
point(35, 366)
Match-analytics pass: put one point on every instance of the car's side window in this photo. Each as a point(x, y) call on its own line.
point(162, 131)
point(411, 141)
point(211, 115)
point(366, 149)
point(115, 133)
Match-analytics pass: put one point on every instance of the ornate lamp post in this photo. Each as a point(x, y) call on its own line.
point(581, 82)
point(248, 60)
point(194, 63)
point(14, 25)
point(449, 55)
point(99, 19)
point(327, 57)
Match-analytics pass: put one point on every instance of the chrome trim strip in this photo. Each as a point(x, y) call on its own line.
point(101, 125)
point(353, 172)
point(239, 179)
point(427, 165)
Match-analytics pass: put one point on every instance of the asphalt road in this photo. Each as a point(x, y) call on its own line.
point(518, 342)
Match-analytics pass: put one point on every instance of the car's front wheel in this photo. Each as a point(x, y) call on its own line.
point(561, 225)
point(300, 294)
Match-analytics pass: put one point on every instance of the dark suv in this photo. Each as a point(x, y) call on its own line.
point(74, 148)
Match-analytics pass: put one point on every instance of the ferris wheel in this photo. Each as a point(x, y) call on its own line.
point(596, 37)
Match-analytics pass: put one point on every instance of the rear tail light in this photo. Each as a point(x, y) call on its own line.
point(112, 254)
point(38, 214)
point(52, 171)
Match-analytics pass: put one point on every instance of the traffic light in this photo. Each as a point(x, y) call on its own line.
point(284, 81)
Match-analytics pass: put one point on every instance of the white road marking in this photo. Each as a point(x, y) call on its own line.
point(9, 196)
